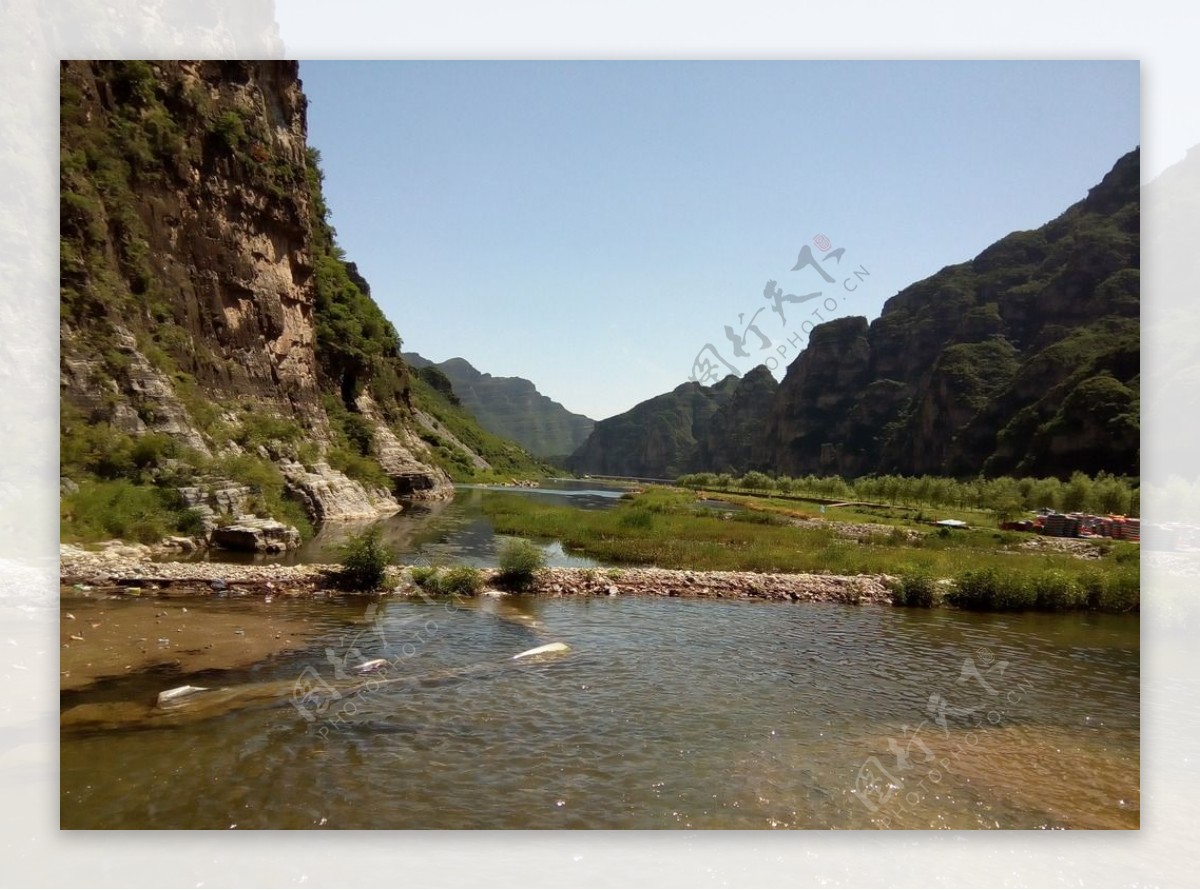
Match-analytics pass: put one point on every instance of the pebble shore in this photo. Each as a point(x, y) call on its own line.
point(133, 567)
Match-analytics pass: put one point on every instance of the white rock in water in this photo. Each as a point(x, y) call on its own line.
point(543, 650)
point(178, 692)
point(373, 665)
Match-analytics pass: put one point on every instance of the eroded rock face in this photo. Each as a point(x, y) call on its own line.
point(189, 283)
point(657, 438)
point(397, 454)
point(253, 535)
point(817, 394)
point(329, 494)
point(214, 498)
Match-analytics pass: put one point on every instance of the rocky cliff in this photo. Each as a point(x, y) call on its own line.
point(691, 428)
point(219, 355)
point(1024, 360)
point(511, 407)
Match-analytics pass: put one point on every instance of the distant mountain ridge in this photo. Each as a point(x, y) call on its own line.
point(691, 428)
point(512, 407)
point(1024, 360)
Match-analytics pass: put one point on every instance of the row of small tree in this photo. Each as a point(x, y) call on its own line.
point(1005, 496)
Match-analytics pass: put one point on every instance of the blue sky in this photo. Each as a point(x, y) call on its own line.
point(593, 225)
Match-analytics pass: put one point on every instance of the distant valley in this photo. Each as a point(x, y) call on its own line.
point(511, 407)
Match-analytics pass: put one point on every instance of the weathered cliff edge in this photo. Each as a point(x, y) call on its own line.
point(208, 316)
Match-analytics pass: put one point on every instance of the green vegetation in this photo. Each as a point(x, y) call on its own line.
point(356, 344)
point(1003, 497)
point(365, 560)
point(917, 591)
point(269, 493)
point(507, 460)
point(457, 581)
point(520, 561)
point(1055, 591)
point(666, 527)
point(109, 466)
point(509, 407)
point(118, 508)
point(120, 482)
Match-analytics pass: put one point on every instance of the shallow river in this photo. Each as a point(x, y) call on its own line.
point(452, 531)
point(662, 714)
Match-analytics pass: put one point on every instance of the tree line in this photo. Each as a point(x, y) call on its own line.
point(1006, 497)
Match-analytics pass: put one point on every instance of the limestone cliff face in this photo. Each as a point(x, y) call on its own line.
point(192, 239)
point(220, 256)
point(825, 378)
point(691, 428)
point(979, 368)
point(655, 439)
point(727, 443)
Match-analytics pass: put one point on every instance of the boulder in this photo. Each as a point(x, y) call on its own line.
point(253, 535)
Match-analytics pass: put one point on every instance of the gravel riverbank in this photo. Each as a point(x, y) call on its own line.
point(133, 569)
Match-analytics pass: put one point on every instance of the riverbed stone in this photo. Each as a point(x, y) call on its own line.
point(104, 568)
point(253, 535)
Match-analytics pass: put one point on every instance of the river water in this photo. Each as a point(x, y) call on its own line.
point(662, 714)
point(451, 532)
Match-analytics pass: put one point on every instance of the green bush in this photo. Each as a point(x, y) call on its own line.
point(365, 560)
point(1118, 591)
point(915, 590)
point(122, 509)
point(462, 581)
point(458, 581)
point(635, 518)
point(988, 589)
point(266, 429)
point(974, 589)
point(520, 561)
point(1058, 592)
point(422, 576)
point(230, 129)
point(1015, 593)
point(359, 468)
point(191, 522)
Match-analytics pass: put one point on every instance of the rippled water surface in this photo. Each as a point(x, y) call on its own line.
point(662, 714)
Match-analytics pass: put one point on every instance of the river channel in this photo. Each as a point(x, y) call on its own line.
point(661, 713)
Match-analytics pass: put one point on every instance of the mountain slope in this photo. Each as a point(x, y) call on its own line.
point(690, 428)
point(219, 355)
point(513, 408)
point(1024, 360)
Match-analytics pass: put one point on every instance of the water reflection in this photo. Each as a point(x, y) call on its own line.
point(445, 532)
